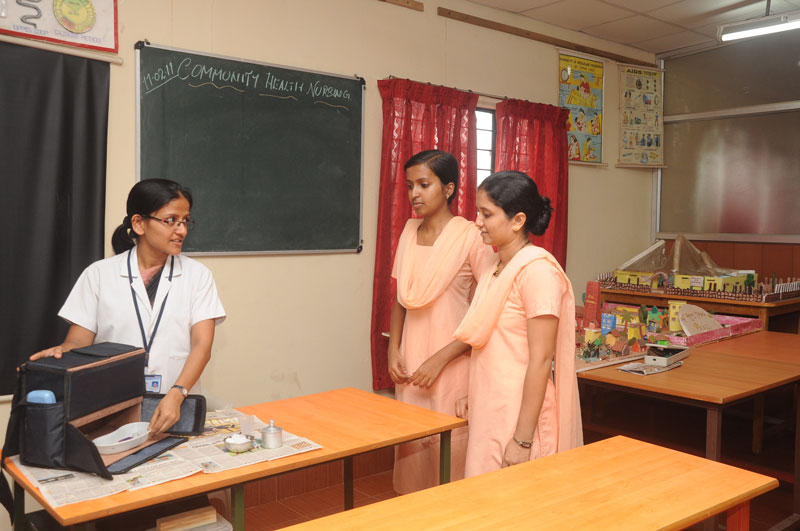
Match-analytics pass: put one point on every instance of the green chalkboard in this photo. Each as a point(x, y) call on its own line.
point(272, 154)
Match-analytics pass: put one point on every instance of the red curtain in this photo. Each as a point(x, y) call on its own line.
point(532, 138)
point(416, 117)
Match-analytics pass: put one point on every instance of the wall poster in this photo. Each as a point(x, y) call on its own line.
point(84, 23)
point(641, 117)
point(580, 89)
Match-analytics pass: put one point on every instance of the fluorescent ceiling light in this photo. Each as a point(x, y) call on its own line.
point(759, 26)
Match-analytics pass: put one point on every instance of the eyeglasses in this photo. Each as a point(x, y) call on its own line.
point(174, 223)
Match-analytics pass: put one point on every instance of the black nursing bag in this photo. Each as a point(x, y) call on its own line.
point(96, 390)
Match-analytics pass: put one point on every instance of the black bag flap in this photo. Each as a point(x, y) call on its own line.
point(145, 454)
point(81, 356)
point(193, 413)
point(105, 350)
point(82, 454)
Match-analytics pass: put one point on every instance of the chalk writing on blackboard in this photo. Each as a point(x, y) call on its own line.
point(204, 75)
point(271, 153)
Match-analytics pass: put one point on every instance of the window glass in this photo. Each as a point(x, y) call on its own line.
point(486, 138)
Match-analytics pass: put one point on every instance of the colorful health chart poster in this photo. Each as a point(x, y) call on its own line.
point(641, 117)
point(580, 89)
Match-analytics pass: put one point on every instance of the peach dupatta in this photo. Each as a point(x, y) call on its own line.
point(450, 250)
point(484, 312)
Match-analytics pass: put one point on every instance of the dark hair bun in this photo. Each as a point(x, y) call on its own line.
point(515, 192)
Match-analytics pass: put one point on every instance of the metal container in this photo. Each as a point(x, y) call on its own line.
point(271, 436)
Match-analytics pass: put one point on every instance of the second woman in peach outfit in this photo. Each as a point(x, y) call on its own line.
point(523, 392)
point(435, 266)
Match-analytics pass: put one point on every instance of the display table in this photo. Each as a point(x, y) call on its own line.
point(618, 483)
point(762, 310)
point(774, 346)
point(712, 381)
point(346, 422)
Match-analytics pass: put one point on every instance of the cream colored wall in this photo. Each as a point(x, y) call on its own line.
point(300, 324)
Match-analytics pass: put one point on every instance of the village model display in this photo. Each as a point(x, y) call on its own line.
point(619, 332)
point(688, 272)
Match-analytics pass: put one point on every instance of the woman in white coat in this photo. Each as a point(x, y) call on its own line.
point(149, 295)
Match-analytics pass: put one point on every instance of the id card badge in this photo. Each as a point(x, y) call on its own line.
point(152, 383)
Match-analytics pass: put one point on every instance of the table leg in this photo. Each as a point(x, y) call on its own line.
point(348, 483)
point(796, 487)
point(20, 521)
point(758, 424)
point(738, 518)
point(713, 448)
point(444, 457)
point(237, 507)
point(713, 433)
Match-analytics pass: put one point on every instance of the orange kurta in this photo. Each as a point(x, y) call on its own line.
point(531, 285)
point(433, 284)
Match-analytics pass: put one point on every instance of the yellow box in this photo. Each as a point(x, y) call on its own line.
point(674, 321)
point(689, 281)
point(714, 283)
point(635, 277)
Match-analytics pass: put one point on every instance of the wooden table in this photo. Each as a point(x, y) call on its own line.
point(762, 310)
point(712, 381)
point(618, 483)
point(775, 346)
point(346, 422)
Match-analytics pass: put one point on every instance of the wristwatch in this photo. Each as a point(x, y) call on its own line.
point(524, 444)
point(182, 389)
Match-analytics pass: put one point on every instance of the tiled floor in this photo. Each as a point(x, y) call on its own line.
point(316, 503)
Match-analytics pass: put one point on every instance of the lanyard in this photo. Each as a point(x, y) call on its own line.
point(136, 305)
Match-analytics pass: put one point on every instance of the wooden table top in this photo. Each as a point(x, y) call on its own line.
point(618, 483)
point(776, 346)
point(667, 296)
point(345, 422)
point(707, 376)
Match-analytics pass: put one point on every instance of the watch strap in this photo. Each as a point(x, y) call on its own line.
point(182, 389)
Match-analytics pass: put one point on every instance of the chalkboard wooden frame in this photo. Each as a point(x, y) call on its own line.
point(273, 154)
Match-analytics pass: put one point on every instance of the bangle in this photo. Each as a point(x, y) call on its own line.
point(524, 444)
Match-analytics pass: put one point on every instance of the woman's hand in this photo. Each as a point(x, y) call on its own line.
point(515, 454)
point(427, 373)
point(167, 413)
point(397, 368)
point(52, 352)
point(77, 337)
point(462, 407)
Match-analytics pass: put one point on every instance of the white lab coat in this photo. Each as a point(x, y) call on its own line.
point(101, 302)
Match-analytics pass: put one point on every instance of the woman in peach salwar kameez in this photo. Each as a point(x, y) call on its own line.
point(520, 326)
point(434, 264)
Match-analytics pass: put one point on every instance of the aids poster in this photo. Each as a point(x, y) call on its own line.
point(580, 89)
point(641, 117)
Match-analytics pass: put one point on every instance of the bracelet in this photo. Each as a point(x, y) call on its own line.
point(524, 444)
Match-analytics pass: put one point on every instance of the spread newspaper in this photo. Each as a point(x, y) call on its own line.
point(204, 453)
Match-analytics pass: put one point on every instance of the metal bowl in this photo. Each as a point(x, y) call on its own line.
point(238, 447)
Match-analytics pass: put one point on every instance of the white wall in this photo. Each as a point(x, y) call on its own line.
point(300, 324)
